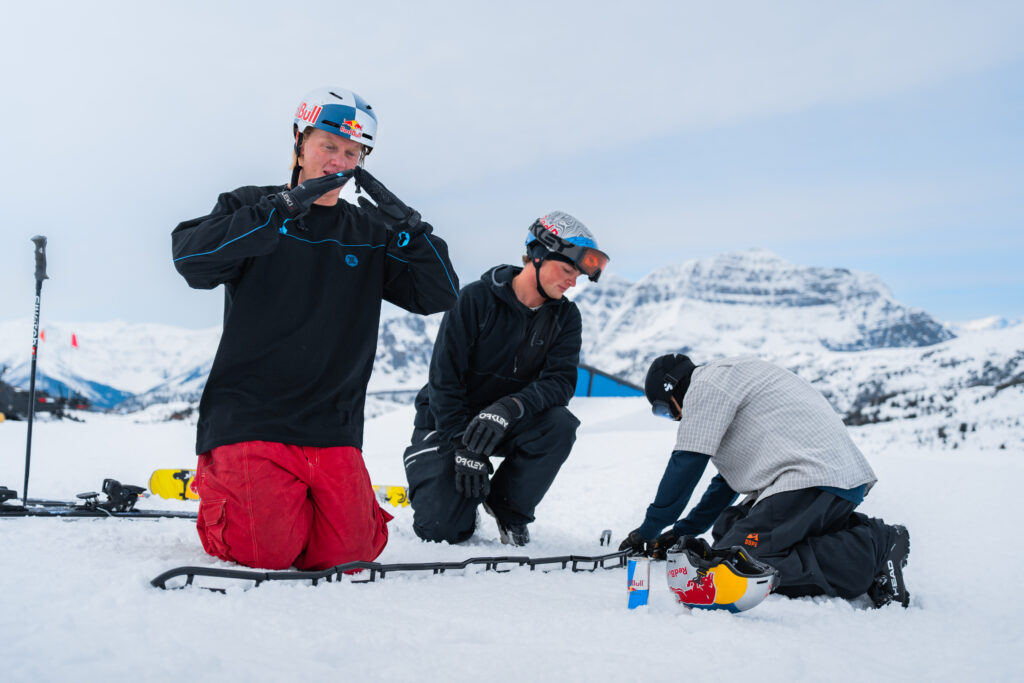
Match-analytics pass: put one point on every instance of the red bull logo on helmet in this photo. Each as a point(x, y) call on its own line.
point(351, 127)
point(673, 573)
point(308, 114)
point(700, 590)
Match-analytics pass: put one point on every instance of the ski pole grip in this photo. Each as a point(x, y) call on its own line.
point(40, 243)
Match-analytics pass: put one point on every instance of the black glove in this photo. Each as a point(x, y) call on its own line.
point(662, 543)
point(297, 201)
point(487, 429)
point(389, 210)
point(471, 470)
point(635, 543)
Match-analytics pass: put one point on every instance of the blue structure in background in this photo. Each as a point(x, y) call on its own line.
point(592, 382)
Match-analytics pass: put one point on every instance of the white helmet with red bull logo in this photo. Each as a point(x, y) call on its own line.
point(705, 578)
point(338, 111)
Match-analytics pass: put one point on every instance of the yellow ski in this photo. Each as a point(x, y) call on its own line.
point(177, 483)
point(173, 483)
point(397, 496)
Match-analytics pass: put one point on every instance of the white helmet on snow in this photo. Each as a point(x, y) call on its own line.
point(705, 578)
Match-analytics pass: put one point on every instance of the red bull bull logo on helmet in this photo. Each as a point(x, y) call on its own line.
point(699, 591)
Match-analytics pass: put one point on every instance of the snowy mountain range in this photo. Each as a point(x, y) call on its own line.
point(872, 357)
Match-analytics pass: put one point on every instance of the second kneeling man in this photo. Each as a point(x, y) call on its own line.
point(502, 373)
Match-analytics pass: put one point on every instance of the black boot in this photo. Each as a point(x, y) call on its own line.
point(510, 533)
point(888, 585)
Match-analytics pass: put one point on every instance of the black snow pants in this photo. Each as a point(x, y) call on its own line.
point(814, 538)
point(532, 453)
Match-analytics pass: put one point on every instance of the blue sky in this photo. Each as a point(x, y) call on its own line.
point(877, 136)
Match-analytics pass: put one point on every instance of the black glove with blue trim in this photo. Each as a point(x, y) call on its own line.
point(389, 209)
point(297, 201)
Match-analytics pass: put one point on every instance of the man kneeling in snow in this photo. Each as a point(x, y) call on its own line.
point(502, 373)
point(774, 438)
point(280, 474)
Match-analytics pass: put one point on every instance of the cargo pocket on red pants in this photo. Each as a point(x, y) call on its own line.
point(210, 524)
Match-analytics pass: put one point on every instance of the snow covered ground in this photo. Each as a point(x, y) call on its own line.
point(76, 603)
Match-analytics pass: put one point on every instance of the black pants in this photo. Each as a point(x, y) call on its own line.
point(814, 538)
point(532, 453)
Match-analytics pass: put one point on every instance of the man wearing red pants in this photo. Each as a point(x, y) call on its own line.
point(281, 475)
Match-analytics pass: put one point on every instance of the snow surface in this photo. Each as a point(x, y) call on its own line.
point(77, 603)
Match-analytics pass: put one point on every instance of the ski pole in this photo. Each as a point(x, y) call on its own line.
point(40, 250)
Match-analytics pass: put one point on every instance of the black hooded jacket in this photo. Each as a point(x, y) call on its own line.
point(490, 346)
point(301, 310)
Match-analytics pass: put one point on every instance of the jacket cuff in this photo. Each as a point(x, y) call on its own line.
point(514, 405)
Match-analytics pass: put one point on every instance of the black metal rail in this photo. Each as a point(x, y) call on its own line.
point(367, 572)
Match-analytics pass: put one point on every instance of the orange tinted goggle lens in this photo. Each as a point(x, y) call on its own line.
point(592, 261)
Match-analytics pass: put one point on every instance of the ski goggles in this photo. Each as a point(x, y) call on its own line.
point(703, 557)
point(664, 409)
point(589, 260)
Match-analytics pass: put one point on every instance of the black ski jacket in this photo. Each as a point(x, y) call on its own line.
point(301, 310)
point(491, 345)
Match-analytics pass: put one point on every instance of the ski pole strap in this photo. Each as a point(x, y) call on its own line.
point(371, 571)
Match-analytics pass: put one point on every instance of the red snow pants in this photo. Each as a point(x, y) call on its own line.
point(271, 506)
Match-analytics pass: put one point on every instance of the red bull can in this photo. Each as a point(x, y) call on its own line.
point(638, 581)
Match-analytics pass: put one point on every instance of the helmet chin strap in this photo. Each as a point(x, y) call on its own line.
point(297, 168)
point(537, 263)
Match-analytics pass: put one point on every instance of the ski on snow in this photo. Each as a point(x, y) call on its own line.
point(177, 483)
point(120, 503)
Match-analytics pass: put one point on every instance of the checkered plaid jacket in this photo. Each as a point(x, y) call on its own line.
point(768, 431)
